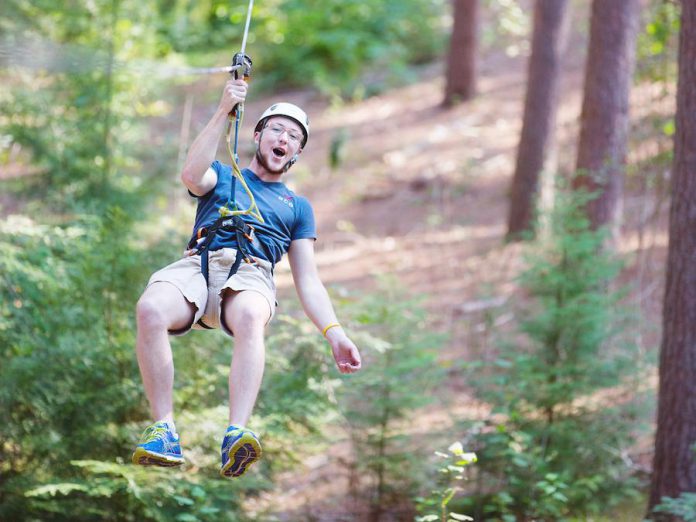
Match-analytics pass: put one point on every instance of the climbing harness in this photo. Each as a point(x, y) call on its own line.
point(245, 235)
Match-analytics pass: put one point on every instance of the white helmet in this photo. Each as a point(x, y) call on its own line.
point(289, 111)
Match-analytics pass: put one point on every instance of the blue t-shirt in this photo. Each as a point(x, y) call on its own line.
point(287, 216)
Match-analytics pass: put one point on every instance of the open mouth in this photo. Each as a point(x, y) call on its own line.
point(278, 152)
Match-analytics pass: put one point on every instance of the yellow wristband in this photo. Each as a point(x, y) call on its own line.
point(328, 327)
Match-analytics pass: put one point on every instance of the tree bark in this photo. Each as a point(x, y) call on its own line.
point(548, 42)
point(674, 465)
point(605, 118)
point(461, 63)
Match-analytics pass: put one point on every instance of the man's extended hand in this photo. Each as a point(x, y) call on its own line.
point(235, 92)
point(345, 352)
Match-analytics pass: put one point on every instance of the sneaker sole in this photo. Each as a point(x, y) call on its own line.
point(243, 453)
point(143, 457)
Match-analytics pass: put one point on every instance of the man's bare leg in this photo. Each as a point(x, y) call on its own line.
point(246, 314)
point(162, 307)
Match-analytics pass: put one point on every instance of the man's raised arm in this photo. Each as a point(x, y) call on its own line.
point(197, 175)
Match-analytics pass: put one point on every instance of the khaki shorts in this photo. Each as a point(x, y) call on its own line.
point(185, 274)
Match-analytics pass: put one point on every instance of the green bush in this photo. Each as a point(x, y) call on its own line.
point(100, 490)
point(69, 375)
point(553, 446)
point(684, 507)
point(399, 377)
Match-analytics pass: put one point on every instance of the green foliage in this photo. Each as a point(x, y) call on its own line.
point(114, 491)
point(77, 120)
point(69, 375)
point(399, 376)
point(652, 136)
point(450, 473)
point(554, 446)
point(658, 42)
point(684, 507)
point(73, 266)
point(343, 48)
point(340, 47)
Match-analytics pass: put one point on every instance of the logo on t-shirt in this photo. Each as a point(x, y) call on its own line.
point(287, 200)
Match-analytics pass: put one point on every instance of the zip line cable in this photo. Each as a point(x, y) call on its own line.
point(38, 54)
point(246, 26)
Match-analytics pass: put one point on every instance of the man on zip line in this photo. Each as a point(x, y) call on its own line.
point(210, 287)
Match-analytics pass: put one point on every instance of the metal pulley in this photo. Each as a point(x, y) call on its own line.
point(241, 66)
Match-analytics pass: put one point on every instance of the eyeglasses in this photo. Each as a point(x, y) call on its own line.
point(277, 130)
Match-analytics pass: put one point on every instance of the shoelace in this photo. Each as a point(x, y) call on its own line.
point(231, 436)
point(154, 433)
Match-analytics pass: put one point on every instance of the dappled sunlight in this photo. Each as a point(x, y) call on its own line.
point(403, 190)
point(634, 242)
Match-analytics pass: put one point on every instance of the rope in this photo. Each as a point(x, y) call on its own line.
point(238, 112)
point(253, 209)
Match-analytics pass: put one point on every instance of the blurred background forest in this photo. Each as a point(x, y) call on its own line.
point(491, 181)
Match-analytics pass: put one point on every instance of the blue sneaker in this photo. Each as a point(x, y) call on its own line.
point(240, 449)
point(158, 447)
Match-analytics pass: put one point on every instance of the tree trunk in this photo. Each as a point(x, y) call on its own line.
point(461, 63)
point(674, 465)
point(604, 120)
point(548, 42)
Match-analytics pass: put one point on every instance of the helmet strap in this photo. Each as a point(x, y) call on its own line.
point(290, 163)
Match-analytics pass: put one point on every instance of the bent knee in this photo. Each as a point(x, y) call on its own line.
point(247, 320)
point(246, 315)
point(150, 314)
point(164, 306)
